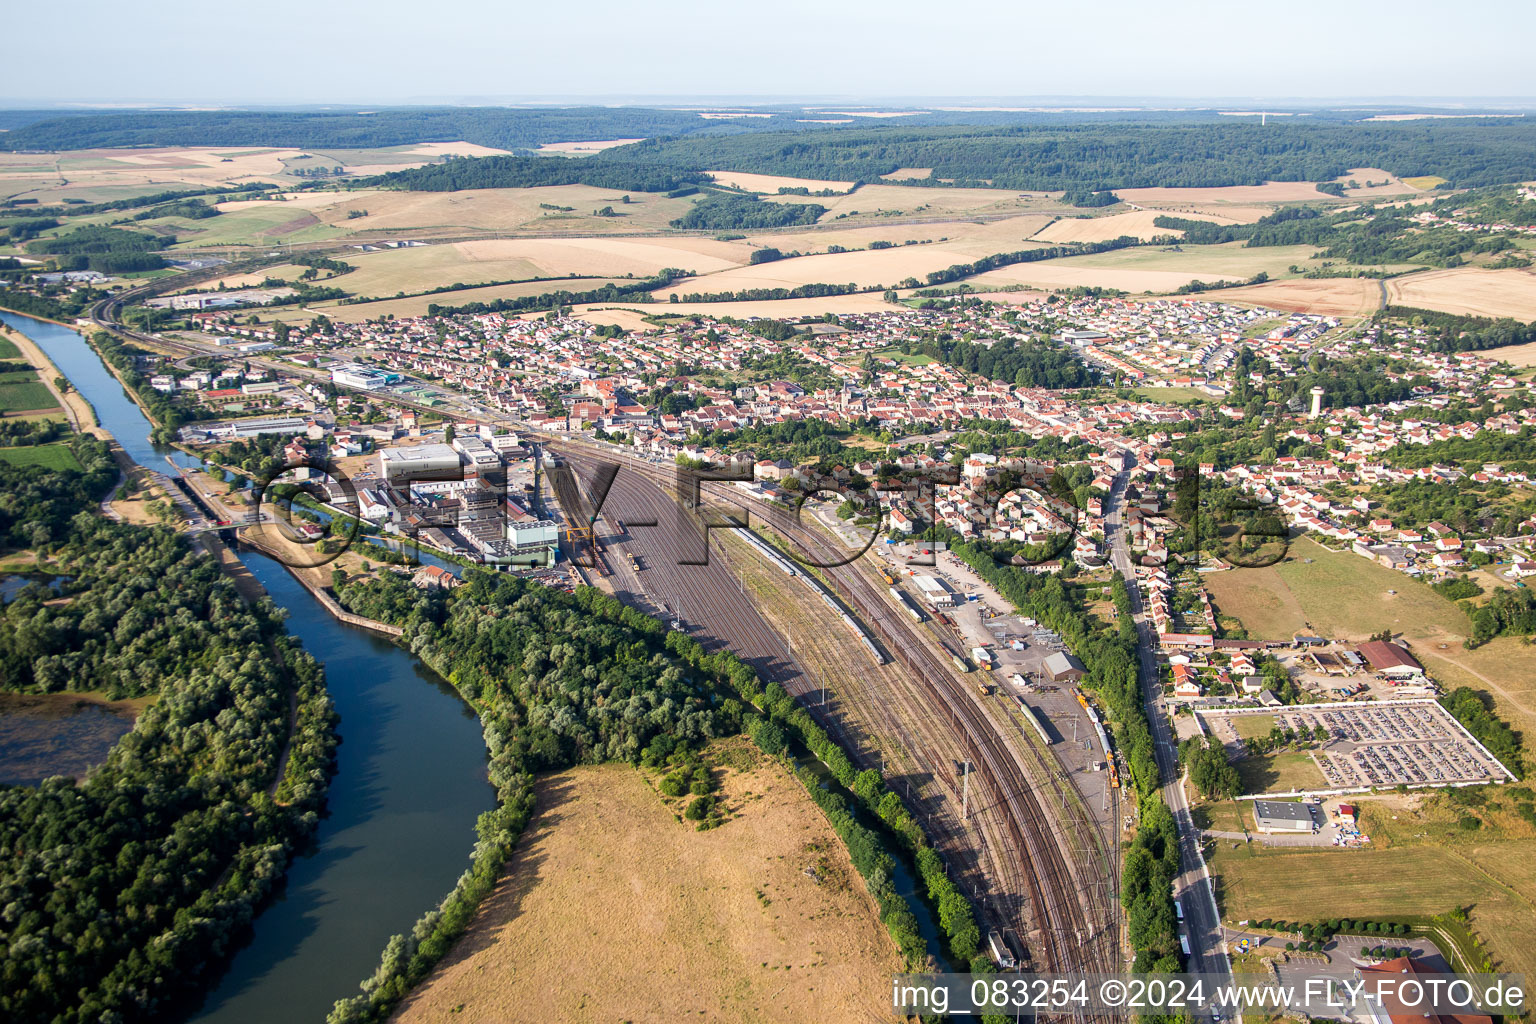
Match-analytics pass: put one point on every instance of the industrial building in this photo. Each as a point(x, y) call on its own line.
point(423, 462)
point(1062, 667)
point(1390, 659)
point(1282, 816)
point(934, 591)
point(356, 375)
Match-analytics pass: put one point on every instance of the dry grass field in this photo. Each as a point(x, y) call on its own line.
point(1469, 291)
point(1137, 223)
point(613, 910)
point(1340, 594)
point(1333, 296)
point(1279, 773)
point(908, 174)
point(389, 271)
point(1504, 668)
point(1495, 879)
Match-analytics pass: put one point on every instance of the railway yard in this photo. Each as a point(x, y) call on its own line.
point(1015, 830)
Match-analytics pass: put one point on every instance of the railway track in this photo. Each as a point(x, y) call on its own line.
point(1076, 930)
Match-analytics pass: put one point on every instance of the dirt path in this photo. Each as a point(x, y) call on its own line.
point(1495, 687)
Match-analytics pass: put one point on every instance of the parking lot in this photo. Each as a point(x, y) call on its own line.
point(1377, 744)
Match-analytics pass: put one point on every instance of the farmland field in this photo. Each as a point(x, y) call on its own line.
point(769, 184)
point(8, 349)
point(23, 392)
point(416, 305)
point(917, 201)
point(970, 237)
point(731, 914)
point(865, 268)
point(631, 316)
point(1336, 296)
point(1137, 223)
point(419, 268)
point(49, 456)
point(1516, 355)
point(1494, 879)
point(1470, 291)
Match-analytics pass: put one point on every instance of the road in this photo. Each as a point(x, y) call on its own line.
point(1192, 888)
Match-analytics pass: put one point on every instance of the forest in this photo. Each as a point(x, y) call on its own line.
point(1451, 332)
point(1093, 156)
point(106, 250)
point(1028, 364)
point(746, 213)
point(1377, 236)
point(124, 891)
point(459, 173)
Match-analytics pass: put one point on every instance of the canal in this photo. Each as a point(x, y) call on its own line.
point(411, 779)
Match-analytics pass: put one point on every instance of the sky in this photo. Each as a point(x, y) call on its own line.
point(390, 51)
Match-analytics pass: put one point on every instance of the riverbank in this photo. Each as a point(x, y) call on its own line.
point(82, 417)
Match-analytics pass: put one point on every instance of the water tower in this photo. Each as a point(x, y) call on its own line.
point(1317, 402)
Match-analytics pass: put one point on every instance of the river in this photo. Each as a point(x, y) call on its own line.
point(411, 779)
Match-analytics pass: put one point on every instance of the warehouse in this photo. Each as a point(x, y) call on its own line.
point(1282, 816)
point(1062, 667)
point(423, 462)
point(355, 375)
point(934, 591)
point(1390, 659)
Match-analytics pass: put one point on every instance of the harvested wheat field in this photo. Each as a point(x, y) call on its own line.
point(1056, 274)
point(613, 910)
point(632, 316)
point(1515, 355)
point(422, 267)
point(865, 268)
point(1269, 192)
point(1386, 184)
point(1328, 296)
point(908, 174)
point(968, 236)
point(1151, 268)
point(769, 184)
point(416, 305)
point(584, 148)
point(1469, 291)
point(1137, 223)
point(918, 201)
